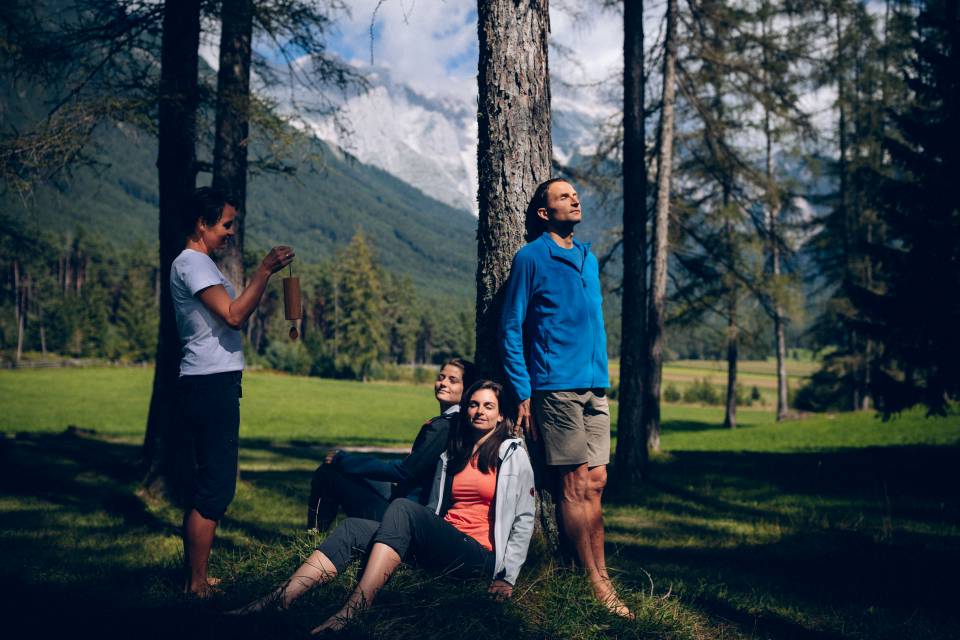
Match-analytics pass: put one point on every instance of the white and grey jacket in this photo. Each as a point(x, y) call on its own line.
point(513, 506)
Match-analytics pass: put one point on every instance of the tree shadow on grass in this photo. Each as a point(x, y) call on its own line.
point(691, 425)
point(317, 449)
point(77, 471)
point(859, 542)
point(687, 426)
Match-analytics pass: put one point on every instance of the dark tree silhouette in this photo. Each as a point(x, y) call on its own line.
point(233, 123)
point(913, 311)
point(631, 438)
point(166, 449)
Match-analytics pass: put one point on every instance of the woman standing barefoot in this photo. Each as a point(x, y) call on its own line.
point(209, 315)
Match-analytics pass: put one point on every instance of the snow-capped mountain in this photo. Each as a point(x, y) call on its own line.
point(427, 142)
point(430, 142)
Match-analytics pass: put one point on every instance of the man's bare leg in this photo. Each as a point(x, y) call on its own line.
point(607, 594)
point(198, 534)
point(381, 565)
point(317, 569)
point(582, 515)
point(578, 521)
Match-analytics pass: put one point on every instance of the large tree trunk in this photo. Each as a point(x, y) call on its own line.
point(233, 124)
point(658, 269)
point(631, 439)
point(513, 156)
point(166, 449)
point(514, 149)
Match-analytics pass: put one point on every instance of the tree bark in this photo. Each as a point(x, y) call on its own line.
point(233, 124)
point(19, 308)
point(513, 152)
point(782, 388)
point(730, 413)
point(842, 195)
point(658, 268)
point(773, 205)
point(632, 455)
point(513, 156)
point(166, 449)
point(43, 331)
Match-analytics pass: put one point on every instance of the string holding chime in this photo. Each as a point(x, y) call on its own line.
point(292, 307)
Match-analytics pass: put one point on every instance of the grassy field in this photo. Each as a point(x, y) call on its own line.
point(831, 527)
point(761, 374)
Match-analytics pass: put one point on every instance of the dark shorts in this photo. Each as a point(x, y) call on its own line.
point(210, 407)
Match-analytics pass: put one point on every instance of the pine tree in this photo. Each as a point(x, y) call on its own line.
point(912, 308)
point(361, 331)
point(137, 312)
point(400, 318)
point(653, 371)
point(862, 64)
point(735, 68)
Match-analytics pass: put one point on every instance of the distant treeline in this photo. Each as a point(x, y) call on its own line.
point(76, 295)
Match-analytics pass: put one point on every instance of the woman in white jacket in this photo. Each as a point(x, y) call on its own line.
point(478, 522)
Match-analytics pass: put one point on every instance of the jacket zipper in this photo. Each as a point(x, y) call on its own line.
point(592, 321)
point(443, 483)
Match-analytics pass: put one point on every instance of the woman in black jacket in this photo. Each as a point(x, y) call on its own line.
point(365, 485)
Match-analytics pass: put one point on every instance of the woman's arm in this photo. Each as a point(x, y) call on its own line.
point(420, 463)
point(235, 312)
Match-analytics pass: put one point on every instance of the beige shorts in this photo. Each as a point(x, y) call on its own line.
point(575, 426)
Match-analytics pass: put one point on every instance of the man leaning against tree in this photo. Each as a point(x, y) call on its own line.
point(554, 350)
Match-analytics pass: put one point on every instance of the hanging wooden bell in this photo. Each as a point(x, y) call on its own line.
point(292, 306)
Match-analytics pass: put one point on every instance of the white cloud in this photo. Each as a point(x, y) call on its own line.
point(432, 45)
point(595, 42)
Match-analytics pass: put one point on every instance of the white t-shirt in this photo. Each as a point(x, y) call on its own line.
point(210, 345)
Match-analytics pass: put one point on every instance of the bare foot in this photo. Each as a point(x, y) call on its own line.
point(203, 591)
point(608, 597)
point(270, 602)
point(618, 607)
point(336, 622)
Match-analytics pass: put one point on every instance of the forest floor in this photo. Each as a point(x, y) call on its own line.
point(835, 526)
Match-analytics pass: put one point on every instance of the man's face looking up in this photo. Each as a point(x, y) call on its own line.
point(563, 206)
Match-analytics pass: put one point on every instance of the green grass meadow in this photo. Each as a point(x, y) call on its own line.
point(835, 526)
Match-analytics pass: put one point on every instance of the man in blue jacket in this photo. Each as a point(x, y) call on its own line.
point(554, 350)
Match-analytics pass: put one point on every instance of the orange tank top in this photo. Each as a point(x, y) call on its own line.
point(472, 510)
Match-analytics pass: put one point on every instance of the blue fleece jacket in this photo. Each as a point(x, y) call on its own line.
point(551, 330)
